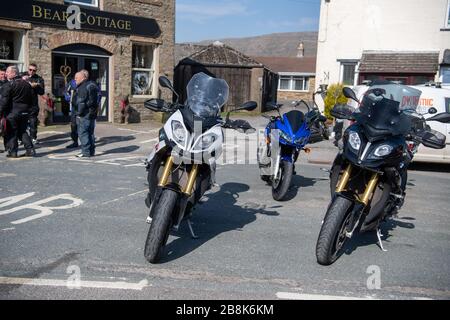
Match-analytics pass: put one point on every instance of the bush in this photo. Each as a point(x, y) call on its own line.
point(334, 96)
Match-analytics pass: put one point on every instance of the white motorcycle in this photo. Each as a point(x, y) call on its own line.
point(182, 165)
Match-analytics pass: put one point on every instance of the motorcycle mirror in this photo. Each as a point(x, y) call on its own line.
point(249, 106)
point(432, 110)
point(165, 83)
point(155, 104)
point(270, 106)
point(350, 94)
point(443, 117)
point(342, 111)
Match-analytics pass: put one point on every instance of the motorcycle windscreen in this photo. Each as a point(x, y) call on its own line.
point(382, 118)
point(206, 95)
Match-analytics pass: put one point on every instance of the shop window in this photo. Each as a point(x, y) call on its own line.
point(293, 83)
point(11, 48)
point(143, 70)
point(90, 3)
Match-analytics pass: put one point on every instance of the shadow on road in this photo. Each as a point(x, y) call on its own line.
point(62, 139)
point(297, 183)
point(369, 238)
point(217, 215)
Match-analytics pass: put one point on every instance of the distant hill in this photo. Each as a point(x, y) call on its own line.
point(272, 45)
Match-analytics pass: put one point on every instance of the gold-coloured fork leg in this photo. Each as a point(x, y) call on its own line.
point(344, 179)
point(166, 173)
point(370, 189)
point(191, 180)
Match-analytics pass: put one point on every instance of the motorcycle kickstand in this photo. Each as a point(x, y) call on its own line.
point(380, 243)
point(189, 223)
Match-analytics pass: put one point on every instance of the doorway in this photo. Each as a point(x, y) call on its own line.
point(69, 60)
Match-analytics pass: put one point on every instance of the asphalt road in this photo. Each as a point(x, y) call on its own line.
point(61, 217)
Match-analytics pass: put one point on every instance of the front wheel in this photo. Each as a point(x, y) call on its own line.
point(160, 227)
point(332, 235)
point(281, 184)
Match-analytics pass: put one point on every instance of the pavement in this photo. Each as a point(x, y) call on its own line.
point(75, 229)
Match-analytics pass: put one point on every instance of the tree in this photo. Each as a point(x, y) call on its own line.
point(334, 96)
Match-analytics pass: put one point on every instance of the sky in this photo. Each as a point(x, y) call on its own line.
point(198, 20)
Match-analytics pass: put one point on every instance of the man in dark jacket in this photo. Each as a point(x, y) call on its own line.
point(15, 103)
point(85, 102)
point(37, 83)
point(2, 82)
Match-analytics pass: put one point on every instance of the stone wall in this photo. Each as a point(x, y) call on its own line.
point(293, 95)
point(42, 40)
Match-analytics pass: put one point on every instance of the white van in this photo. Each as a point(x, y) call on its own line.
point(438, 98)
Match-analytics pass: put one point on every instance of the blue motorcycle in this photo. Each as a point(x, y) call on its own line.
point(285, 137)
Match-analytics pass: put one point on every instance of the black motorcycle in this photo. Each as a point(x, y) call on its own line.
point(368, 178)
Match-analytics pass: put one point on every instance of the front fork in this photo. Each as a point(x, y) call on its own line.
point(186, 191)
point(362, 200)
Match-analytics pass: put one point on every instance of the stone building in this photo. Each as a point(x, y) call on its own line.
point(296, 76)
point(124, 44)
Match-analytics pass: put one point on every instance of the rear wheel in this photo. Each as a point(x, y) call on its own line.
point(280, 185)
point(161, 225)
point(332, 235)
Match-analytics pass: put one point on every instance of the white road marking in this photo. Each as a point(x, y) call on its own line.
point(8, 229)
point(300, 296)
point(38, 205)
point(51, 132)
point(137, 131)
point(127, 196)
point(149, 141)
point(121, 285)
point(7, 175)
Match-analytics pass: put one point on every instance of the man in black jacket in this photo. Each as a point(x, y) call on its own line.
point(16, 100)
point(37, 83)
point(2, 82)
point(85, 102)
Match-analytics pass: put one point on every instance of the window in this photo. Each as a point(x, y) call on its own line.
point(11, 48)
point(90, 3)
point(143, 70)
point(348, 73)
point(293, 83)
point(445, 74)
point(447, 16)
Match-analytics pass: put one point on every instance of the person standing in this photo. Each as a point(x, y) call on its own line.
point(68, 96)
point(16, 104)
point(2, 82)
point(85, 102)
point(37, 83)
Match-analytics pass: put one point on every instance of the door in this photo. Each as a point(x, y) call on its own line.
point(64, 68)
point(98, 72)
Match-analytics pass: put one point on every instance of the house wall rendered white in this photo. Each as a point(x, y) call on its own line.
point(349, 27)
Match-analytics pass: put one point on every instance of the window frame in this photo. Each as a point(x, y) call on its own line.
point(20, 63)
point(447, 16)
point(292, 79)
point(79, 3)
point(152, 71)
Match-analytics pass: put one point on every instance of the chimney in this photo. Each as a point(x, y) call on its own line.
point(301, 50)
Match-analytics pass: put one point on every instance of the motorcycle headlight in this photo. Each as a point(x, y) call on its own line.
point(383, 150)
point(354, 140)
point(179, 133)
point(205, 142)
point(284, 136)
point(300, 140)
